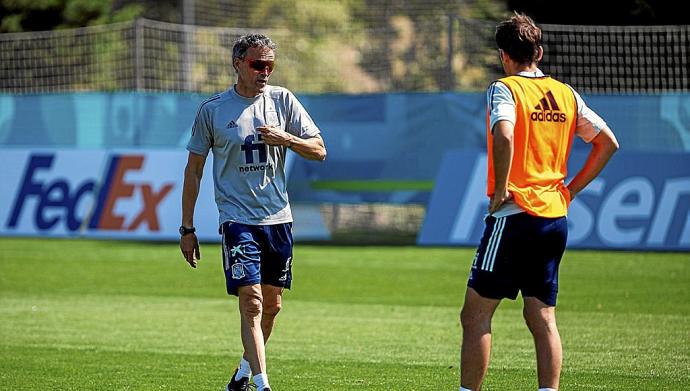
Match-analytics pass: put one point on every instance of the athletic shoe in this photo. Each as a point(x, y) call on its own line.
point(238, 385)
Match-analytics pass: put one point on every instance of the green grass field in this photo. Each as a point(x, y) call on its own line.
point(95, 315)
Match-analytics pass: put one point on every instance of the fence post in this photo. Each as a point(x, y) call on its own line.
point(450, 85)
point(139, 53)
point(187, 55)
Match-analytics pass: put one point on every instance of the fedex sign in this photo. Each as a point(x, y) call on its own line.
point(65, 192)
point(641, 201)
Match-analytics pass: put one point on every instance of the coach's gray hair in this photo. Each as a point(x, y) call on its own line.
point(243, 43)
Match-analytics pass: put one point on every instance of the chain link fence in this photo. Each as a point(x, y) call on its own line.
point(619, 59)
point(454, 53)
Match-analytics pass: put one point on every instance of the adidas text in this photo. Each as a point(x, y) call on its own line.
point(547, 116)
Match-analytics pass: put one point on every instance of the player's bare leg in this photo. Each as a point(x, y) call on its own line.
point(541, 320)
point(475, 318)
point(251, 307)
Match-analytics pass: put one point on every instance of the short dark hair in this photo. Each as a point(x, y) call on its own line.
point(520, 38)
point(243, 43)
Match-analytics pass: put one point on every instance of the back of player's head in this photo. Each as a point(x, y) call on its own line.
point(243, 43)
point(520, 38)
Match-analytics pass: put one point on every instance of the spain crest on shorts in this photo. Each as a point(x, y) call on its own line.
point(237, 271)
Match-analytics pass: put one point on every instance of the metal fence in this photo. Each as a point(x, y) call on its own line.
point(453, 53)
point(619, 59)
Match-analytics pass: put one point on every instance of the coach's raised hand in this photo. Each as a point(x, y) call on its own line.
point(272, 135)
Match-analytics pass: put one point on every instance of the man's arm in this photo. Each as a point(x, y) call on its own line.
point(502, 160)
point(309, 148)
point(312, 148)
point(604, 145)
point(189, 243)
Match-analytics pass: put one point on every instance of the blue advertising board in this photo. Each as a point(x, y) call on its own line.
point(640, 201)
point(387, 148)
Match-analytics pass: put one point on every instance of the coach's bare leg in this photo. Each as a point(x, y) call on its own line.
point(475, 318)
point(251, 304)
point(541, 320)
point(273, 302)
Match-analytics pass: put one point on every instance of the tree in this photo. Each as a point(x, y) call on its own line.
point(40, 15)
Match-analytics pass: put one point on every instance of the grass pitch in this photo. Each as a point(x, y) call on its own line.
point(94, 315)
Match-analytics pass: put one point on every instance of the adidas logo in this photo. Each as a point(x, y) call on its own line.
point(544, 103)
point(547, 110)
point(231, 124)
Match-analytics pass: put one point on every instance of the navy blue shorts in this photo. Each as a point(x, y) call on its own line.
point(256, 254)
point(522, 253)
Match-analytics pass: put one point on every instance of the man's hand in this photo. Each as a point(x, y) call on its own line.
point(275, 136)
point(189, 245)
point(498, 199)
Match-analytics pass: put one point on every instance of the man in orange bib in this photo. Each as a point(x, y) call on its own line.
point(531, 122)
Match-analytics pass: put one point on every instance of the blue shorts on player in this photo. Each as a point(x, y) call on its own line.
point(519, 252)
point(256, 254)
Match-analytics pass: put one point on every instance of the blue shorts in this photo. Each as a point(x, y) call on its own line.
point(519, 252)
point(256, 254)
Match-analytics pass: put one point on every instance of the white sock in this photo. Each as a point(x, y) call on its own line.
point(244, 371)
point(547, 389)
point(464, 389)
point(261, 381)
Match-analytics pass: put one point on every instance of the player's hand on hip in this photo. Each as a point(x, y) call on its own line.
point(272, 135)
point(498, 199)
point(189, 245)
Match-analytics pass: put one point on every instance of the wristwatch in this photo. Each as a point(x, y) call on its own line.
point(184, 230)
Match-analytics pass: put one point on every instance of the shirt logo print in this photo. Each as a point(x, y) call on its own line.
point(547, 110)
point(236, 249)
